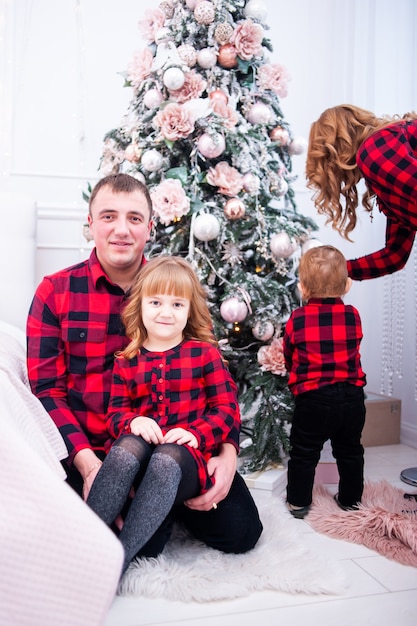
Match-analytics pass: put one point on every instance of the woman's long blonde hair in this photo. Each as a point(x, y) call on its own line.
point(331, 169)
point(171, 275)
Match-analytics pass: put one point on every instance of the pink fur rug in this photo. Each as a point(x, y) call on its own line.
point(385, 521)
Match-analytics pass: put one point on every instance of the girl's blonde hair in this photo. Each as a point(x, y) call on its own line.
point(331, 168)
point(323, 272)
point(171, 275)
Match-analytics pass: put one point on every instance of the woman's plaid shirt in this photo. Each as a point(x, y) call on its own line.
point(388, 163)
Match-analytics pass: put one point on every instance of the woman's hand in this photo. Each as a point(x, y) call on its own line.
point(181, 437)
point(223, 468)
point(146, 428)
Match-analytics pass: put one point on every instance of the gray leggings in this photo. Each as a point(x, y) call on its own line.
point(163, 476)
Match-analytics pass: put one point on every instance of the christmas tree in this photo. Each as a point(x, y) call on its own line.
point(205, 131)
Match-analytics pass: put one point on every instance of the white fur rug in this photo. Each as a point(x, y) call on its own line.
point(189, 571)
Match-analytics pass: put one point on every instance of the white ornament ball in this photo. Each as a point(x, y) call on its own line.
point(281, 245)
point(206, 227)
point(191, 4)
point(310, 243)
point(263, 330)
point(204, 12)
point(152, 98)
point(207, 58)
point(233, 310)
point(259, 113)
point(211, 146)
point(297, 146)
point(151, 160)
point(251, 183)
point(256, 9)
point(173, 78)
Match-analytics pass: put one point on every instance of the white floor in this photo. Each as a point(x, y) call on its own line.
point(381, 591)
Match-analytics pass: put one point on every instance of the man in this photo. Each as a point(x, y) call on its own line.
point(73, 331)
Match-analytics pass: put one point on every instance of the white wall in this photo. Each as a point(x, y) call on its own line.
point(61, 90)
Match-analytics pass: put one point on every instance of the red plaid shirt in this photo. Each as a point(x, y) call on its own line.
point(188, 386)
point(388, 162)
point(73, 331)
point(321, 345)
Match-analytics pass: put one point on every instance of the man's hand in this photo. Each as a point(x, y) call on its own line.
point(223, 468)
point(88, 464)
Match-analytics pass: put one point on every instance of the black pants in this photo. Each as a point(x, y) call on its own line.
point(335, 412)
point(234, 527)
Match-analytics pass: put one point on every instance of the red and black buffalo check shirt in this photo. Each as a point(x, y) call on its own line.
point(388, 162)
point(74, 329)
point(188, 386)
point(321, 345)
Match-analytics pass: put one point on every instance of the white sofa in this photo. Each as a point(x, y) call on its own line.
point(60, 565)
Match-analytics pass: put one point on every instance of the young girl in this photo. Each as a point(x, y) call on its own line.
point(348, 143)
point(173, 403)
point(321, 351)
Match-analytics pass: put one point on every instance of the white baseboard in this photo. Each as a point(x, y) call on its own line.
point(408, 435)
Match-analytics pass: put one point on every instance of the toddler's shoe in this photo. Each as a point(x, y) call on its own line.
point(298, 512)
point(354, 507)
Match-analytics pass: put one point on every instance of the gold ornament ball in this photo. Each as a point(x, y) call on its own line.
point(227, 56)
point(234, 209)
point(188, 54)
point(167, 9)
point(204, 13)
point(223, 32)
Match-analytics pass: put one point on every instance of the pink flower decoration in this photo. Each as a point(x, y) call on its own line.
point(228, 180)
point(271, 358)
point(247, 40)
point(192, 88)
point(139, 67)
point(274, 77)
point(169, 200)
point(175, 122)
point(154, 20)
point(228, 114)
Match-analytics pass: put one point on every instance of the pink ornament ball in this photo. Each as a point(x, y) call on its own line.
point(207, 58)
point(281, 245)
point(259, 113)
point(233, 310)
point(218, 95)
point(211, 146)
point(152, 98)
point(251, 183)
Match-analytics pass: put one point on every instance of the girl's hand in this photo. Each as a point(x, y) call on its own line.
point(181, 437)
point(146, 428)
